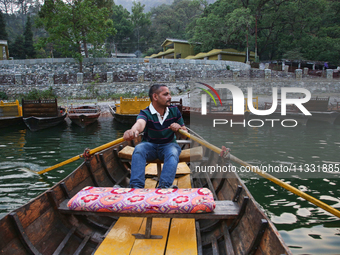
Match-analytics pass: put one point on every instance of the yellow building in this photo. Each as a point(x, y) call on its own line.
point(3, 50)
point(224, 54)
point(174, 49)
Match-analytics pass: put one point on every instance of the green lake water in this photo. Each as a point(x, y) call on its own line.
point(305, 228)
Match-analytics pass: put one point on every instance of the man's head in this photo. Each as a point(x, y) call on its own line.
point(160, 94)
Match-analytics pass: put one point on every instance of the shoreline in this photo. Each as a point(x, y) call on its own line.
point(191, 98)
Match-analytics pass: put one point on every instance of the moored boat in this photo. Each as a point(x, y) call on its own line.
point(217, 112)
point(317, 106)
point(41, 227)
point(83, 115)
point(328, 117)
point(10, 114)
point(127, 110)
point(41, 114)
point(192, 112)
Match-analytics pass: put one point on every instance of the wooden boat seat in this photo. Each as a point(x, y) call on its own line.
point(224, 210)
point(193, 154)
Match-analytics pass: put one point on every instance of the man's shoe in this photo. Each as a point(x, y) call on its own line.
point(173, 187)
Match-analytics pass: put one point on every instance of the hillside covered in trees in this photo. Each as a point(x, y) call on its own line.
point(276, 29)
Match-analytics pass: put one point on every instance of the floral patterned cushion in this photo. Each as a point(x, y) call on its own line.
point(143, 200)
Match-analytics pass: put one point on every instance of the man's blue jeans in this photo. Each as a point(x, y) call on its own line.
point(146, 151)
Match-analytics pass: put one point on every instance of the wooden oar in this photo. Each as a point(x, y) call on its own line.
point(93, 151)
point(255, 169)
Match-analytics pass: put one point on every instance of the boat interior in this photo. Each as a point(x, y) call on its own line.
point(44, 226)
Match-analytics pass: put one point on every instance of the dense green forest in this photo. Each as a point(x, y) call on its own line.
point(275, 29)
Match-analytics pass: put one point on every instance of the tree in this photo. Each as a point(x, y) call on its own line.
point(71, 25)
point(17, 48)
point(172, 21)
point(28, 38)
point(141, 21)
point(238, 23)
point(209, 32)
point(122, 40)
point(3, 33)
point(211, 29)
point(323, 43)
point(23, 6)
point(276, 28)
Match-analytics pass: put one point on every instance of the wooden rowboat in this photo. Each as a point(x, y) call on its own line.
point(42, 226)
point(218, 112)
point(129, 119)
point(195, 113)
point(318, 107)
point(83, 115)
point(41, 114)
point(126, 112)
point(10, 114)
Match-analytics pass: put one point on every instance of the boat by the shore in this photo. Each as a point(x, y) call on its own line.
point(217, 112)
point(41, 114)
point(127, 110)
point(195, 113)
point(129, 119)
point(83, 115)
point(318, 107)
point(43, 226)
point(10, 114)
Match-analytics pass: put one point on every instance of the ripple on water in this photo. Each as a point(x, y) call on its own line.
point(284, 218)
point(16, 182)
point(317, 237)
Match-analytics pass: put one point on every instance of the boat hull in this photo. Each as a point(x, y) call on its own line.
point(84, 115)
point(195, 113)
point(39, 123)
point(328, 117)
point(300, 118)
point(11, 121)
point(125, 119)
point(10, 114)
point(129, 119)
point(38, 227)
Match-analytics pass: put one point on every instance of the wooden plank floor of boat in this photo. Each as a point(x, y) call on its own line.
point(175, 232)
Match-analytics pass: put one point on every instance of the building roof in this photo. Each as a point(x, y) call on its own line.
point(3, 42)
point(162, 53)
point(169, 41)
point(219, 51)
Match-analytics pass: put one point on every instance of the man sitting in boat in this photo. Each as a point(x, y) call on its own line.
point(159, 122)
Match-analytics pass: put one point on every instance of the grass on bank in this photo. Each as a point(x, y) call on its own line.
point(49, 93)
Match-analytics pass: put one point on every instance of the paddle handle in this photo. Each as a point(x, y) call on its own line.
point(269, 177)
point(59, 164)
point(93, 151)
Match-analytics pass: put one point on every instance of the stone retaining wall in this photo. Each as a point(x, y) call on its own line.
point(63, 70)
point(260, 87)
point(105, 77)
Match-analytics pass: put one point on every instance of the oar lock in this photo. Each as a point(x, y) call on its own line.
point(86, 155)
point(225, 152)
